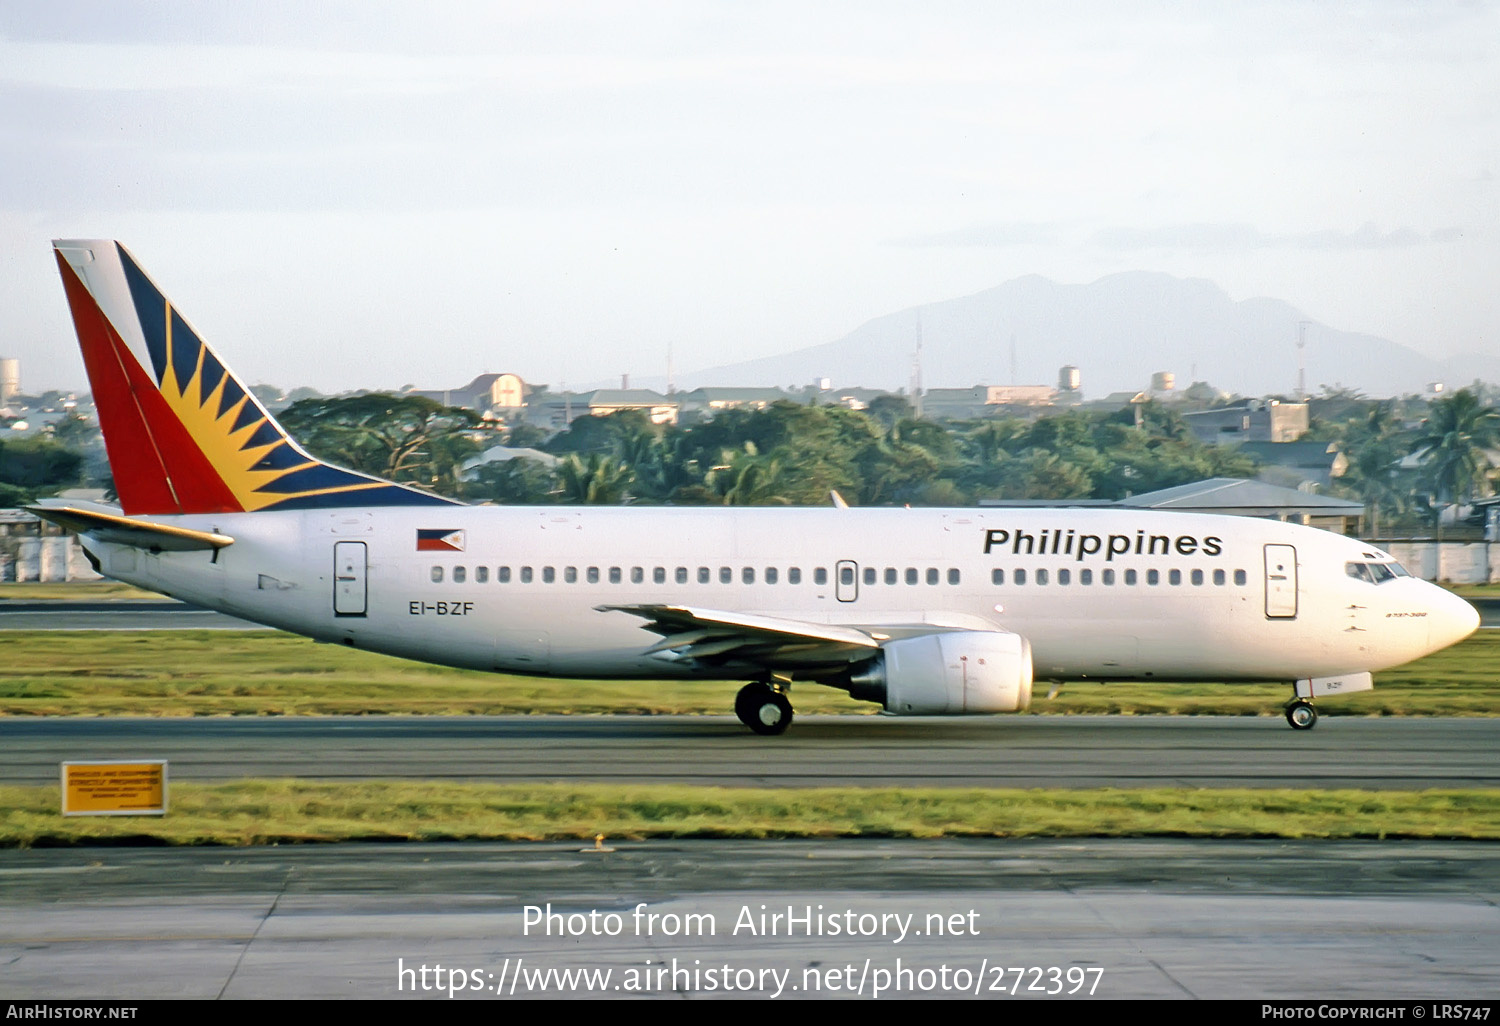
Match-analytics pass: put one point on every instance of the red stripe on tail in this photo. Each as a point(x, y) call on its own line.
point(158, 467)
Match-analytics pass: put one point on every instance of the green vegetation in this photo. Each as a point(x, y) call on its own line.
point(406, 438)
point(202, 673)
point(31, 468)
point(297, 811)
point(791, 454)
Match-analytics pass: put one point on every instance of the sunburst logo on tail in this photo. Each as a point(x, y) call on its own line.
point(216, 446)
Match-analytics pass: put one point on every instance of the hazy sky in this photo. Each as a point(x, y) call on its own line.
point(371, 194)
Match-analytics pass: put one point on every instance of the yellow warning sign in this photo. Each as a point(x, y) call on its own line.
point(114, 788)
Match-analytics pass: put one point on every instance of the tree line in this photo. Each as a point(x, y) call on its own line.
point(1406, 464)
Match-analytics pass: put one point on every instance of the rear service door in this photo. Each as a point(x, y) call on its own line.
point(1281, 582)
point(349, 586)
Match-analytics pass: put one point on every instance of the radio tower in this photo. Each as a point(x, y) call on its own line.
point(1302, 359)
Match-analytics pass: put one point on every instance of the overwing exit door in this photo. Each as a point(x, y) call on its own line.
point(846, 580)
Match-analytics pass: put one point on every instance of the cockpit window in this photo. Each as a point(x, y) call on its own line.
point(1375, 573)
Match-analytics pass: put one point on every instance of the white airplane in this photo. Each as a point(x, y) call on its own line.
point(925, 611)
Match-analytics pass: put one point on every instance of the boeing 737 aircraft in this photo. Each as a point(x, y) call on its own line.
point(925, 611)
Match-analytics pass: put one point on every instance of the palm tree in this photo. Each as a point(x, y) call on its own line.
point(1456, 442)
point(597, 480)
point(1375, 445)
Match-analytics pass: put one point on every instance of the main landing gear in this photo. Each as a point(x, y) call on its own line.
point(764, 707)
point(1301, 714)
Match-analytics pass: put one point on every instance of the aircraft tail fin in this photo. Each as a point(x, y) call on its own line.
point(184, 434)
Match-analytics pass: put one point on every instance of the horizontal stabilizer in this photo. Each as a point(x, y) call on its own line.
point(142, 534)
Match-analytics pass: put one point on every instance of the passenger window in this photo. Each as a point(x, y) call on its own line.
point(1174, 576)
point(1019, 577)
point(680, 575)
point(525, 575)
point(481, 574)
point(703, 575)
point(911, 575)
point(592, 575)
point(614, 575)
point(1064, 577)
point(502, 574)
point(1108, 577)
point(460, 574)
point(820, 575)
point(1218, 577)
point(932, 575)
point(570, 574)
point(871, 575)
point(1130, 577)
point(794, 575)
point(549, 575)
point(1153, 577)
point(846, 575)
point(1240, 578)
point(953, 576)
point(771, 575)
point(637, 575)
point(1041, 577)
point(997, 576)
point(1197, 577)
point(437, 575)
point(892, 575)
point(658, 575)
point(726, 575)
point(747, 575)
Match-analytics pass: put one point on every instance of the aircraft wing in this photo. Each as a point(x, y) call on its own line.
point(143, 534)
point(717, 636)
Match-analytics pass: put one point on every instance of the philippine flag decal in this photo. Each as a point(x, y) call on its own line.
point(429, 540)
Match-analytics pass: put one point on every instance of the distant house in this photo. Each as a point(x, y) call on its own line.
point(983, 400)
point(708, 401)
point(1255, 421)
point(559, 409)
point(487, 392)
point(1297, 464)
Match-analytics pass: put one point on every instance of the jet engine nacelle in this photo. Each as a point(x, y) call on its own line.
point(947, 674)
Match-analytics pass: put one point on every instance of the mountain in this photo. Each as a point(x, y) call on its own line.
point(1117, 330)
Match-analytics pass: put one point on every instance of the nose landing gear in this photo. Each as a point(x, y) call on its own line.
point(764, 707)
point(1301, 714)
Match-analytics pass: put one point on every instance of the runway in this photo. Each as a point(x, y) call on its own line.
point(118, 615)
point(1001, 751)
point(1249, 920)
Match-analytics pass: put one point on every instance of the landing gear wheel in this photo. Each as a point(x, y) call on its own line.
point(1301, 715)
point(763, 709)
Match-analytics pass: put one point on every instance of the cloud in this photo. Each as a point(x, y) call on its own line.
point(1243, 237)
point(990, 236)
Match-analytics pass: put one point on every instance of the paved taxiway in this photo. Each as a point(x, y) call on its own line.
point(1161, 918)
point(1001, 751)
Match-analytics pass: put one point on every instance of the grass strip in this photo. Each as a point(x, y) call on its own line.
point(299, 811)
point(268, 673)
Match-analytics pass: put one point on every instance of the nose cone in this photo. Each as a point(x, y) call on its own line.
point(1451, 620)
